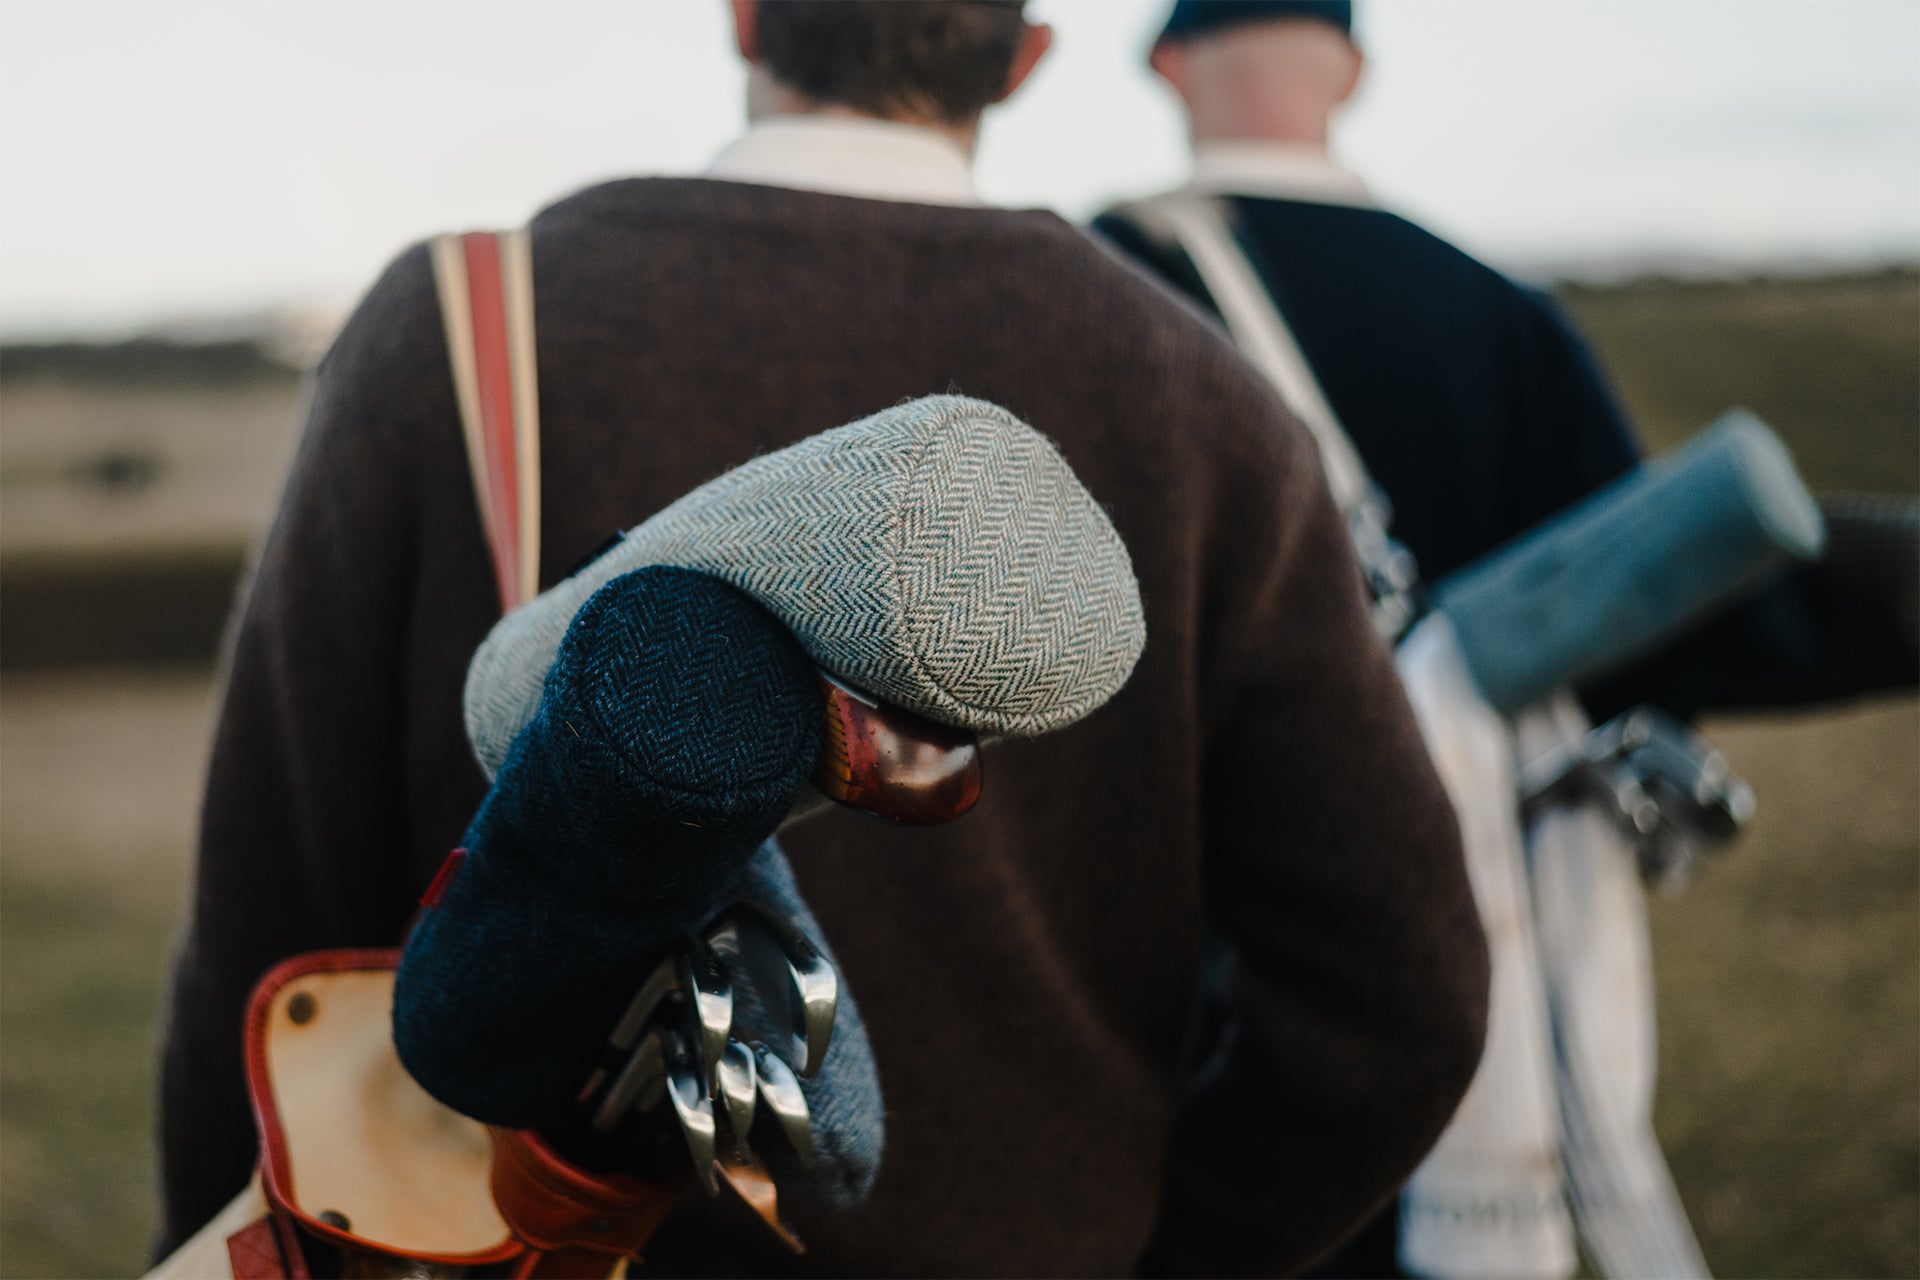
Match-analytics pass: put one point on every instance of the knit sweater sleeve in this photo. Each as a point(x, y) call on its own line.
point(303, 819)
point(1334, 875)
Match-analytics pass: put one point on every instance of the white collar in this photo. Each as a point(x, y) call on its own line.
point(873, 159)
point(1284, 170)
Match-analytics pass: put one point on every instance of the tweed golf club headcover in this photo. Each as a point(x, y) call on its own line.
point(677, 722)
point(940, 555)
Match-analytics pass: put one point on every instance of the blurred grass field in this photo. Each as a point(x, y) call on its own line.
point(1789, 975)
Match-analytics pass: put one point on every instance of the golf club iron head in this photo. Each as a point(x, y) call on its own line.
point(739, 1084)
point(795, 981)
point(705, 974)
point(663, 986)
point(687, 1092)
point(780, 1092)
point(1666, 789)
point(636, 1088)
point(675, 1043)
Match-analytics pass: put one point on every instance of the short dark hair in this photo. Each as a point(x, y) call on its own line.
point(941, 59)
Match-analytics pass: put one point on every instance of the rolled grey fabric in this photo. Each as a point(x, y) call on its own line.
point(939, 554)
point(1607, 579)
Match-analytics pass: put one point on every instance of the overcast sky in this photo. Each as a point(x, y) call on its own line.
point(169, 159)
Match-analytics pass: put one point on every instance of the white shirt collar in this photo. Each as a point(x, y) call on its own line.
point(1284, 170)
point(873, 159)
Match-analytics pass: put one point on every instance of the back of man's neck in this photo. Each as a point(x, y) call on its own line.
point(1252, 142)
point(1309, 132)
point(768, 98)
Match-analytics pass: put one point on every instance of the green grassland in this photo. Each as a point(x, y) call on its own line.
point(1789, 975)
point(1833, 365)
point(98, 779)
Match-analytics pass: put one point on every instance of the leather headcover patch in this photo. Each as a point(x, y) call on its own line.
point(350, 1145)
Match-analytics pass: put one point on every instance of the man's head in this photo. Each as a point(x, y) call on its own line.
point(930, 62)
point(1260, 69)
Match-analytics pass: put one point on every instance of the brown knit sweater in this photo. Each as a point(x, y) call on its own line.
point(1027, 974)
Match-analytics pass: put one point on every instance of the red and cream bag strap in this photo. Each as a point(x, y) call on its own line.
point(361, 1171)
point(485, 280)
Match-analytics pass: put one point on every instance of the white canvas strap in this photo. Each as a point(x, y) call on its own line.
point(1596, 956)
point(485, 282)
point(1198, 224)
point(1488, 1200)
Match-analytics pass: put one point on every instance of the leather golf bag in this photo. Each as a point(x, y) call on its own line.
point(571, 1042)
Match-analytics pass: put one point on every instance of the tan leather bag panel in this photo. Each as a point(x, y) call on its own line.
point(362, 1139)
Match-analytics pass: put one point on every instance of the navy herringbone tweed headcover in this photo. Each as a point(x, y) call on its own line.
point(675, 726)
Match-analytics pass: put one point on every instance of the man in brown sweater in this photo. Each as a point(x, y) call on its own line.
point(1027, 974)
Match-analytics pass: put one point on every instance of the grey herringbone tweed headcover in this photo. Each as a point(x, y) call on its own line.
point(940, 555)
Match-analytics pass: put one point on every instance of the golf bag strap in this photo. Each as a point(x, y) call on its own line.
point(485, 283)
point(1198, 225)
point(573, 1223)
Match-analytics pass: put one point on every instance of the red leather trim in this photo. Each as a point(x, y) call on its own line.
point(493, 366)
point(276, 1172)
point(254, 1252)
point(291, 1251)
point(443, 879)
point(556, 1207)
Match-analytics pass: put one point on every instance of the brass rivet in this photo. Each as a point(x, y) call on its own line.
point(333, 1217)
point(302, 1007)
